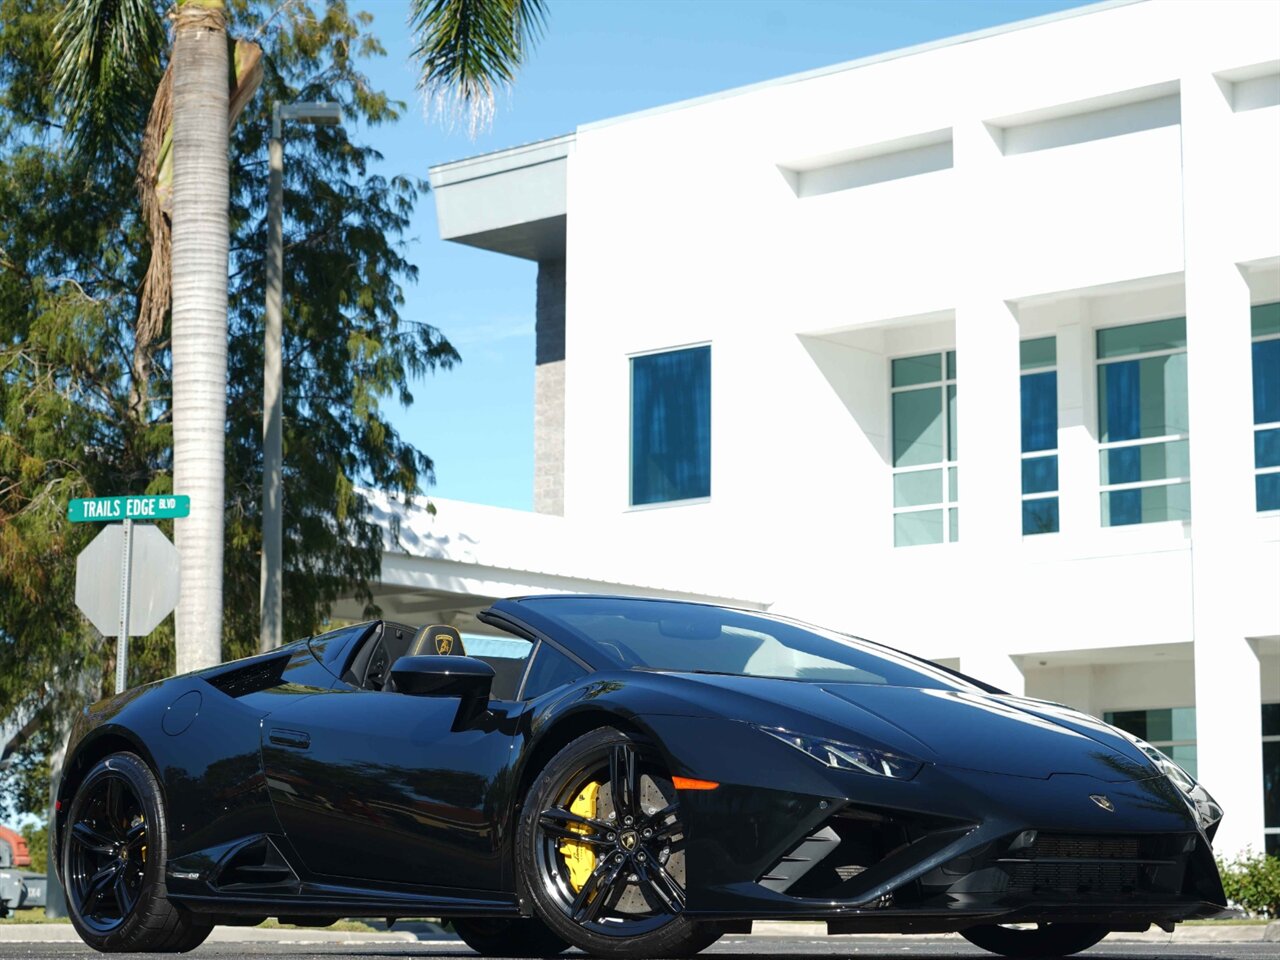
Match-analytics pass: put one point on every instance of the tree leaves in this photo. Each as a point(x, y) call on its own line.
point(467, 48)
point(108, 56)
point(73, 253)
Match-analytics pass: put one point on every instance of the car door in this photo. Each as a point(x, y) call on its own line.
point(375, 786)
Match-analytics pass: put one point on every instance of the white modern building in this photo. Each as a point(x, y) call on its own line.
point(971, 348)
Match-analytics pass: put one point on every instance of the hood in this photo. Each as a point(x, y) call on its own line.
point(991, 733)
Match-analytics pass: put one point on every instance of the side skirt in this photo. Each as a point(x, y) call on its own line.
point(320, 902)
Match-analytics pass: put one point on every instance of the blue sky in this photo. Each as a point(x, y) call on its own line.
point(599, 58)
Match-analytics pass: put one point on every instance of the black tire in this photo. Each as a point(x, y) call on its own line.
point(1046, 940)
point(500, 937)
point(113, 861)
point(631, 905)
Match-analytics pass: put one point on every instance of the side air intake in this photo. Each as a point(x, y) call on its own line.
point(258, 863)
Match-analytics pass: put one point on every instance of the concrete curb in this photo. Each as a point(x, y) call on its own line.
point(1227, 933)
point(65, 933)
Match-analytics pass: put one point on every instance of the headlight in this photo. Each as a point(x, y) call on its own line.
point(848, 756)
point(1207, 811)
point(1166, 765)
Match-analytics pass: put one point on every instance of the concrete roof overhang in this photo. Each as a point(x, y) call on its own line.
point(512, 201)
point(446, 565)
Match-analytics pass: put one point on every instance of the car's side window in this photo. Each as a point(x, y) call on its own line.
point(507, 656)
point(550, 669)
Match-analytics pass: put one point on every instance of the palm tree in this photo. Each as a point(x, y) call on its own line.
point(201, 232)
point(467, 48)
point(109, 67)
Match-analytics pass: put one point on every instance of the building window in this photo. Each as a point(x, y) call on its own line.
point(923, 401)
point(1173, 730)
point(1142, 422)
point(1039, 436)
point(1271, 776)
point(671, 426)
point(1266, 404)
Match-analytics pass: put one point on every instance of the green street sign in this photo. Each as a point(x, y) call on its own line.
point(112, 509)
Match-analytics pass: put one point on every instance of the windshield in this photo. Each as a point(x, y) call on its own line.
point(693, 638)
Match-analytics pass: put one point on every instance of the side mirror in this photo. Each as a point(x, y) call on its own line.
point(467, 678)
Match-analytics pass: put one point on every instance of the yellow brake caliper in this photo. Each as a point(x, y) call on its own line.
point(579, 857)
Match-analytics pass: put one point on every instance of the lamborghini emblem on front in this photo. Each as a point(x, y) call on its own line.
point(1104, 802)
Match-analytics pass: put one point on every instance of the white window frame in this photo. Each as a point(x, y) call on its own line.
point(1037, 454)
point(1260, 471)
point(946, 465)
point(1098, 363)
point(630, 507)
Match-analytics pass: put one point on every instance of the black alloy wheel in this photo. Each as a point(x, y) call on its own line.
point(113, 858)
point(107, 855)
point(611, 879)
point(1040, 940)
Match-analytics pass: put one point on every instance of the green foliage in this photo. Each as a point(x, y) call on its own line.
point(72, 256)
point(24, 780)
point(1252, 882)
point(465, 48)
point(109, 62)
point(37, 838)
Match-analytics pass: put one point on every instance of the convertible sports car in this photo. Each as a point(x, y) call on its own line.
point(632, 777)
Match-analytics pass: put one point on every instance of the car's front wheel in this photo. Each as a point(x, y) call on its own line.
point(600, 851)
point(1041, 940)
point(113, 857)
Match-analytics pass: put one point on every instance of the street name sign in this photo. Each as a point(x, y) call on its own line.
point(112, 509)
point(127, 579)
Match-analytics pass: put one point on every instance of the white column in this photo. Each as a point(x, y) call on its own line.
point(987, 363)
point(998, 669)
point(1078, 511)
point(1219, 386)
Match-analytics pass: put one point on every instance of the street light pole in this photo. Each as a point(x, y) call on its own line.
point(271, 601)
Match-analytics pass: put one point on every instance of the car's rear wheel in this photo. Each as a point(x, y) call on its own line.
point(1041, 940)
point(523, 937)
point(113, 857)
point(600, 851)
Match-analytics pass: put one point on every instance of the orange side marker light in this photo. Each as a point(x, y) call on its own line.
point(688, 783)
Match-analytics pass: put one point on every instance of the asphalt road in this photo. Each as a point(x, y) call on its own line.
point(726, 949)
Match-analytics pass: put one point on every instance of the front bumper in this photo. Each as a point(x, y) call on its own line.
point(949, 849)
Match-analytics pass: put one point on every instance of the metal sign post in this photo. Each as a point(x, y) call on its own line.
point(122, 639)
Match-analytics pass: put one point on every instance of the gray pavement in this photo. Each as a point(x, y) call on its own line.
point(729, 947)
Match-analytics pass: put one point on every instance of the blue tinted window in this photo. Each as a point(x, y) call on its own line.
point(671, 426)
point(1040, 516)
point(1268, 491)
point(1266, 448)
point(1039, 411)
point(1039, 474)
point(1126, 507)
point(1266, 381)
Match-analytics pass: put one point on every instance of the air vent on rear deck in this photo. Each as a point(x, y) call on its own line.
point(257, 674)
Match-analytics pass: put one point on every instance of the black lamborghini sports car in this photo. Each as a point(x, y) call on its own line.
point(632, 777)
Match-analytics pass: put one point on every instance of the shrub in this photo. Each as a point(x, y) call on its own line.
point(1252, 882)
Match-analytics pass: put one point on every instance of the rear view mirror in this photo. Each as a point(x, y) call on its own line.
point(467, 678)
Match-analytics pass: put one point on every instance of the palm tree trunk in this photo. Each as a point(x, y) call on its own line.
point(201, 196)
